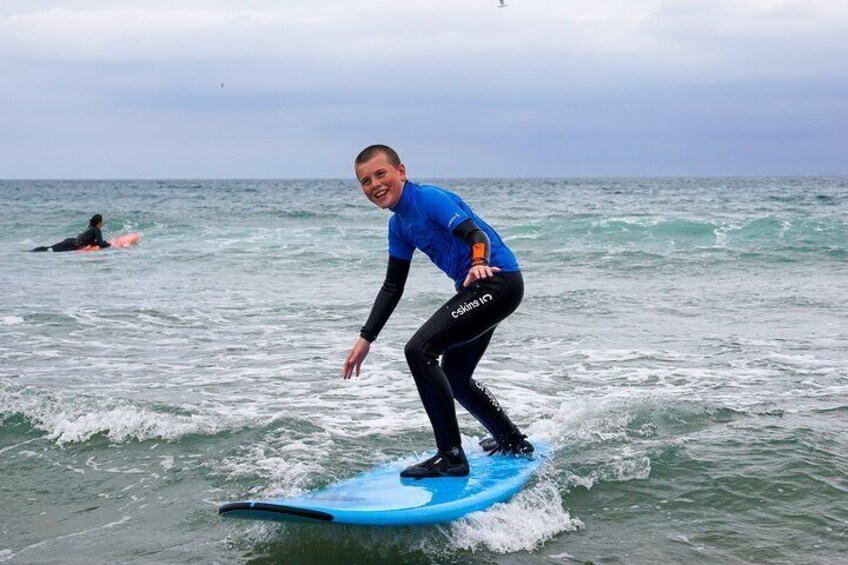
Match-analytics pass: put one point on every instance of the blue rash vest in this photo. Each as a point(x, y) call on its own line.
point(425, 217)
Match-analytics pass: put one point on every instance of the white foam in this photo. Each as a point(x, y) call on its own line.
point(525, 523)
point(110, 525)
point(521, 236)
point(617, 469)
point(167, 463)
point(590, 421)
point(11, 320)
point(286, 467)
point(11, 447)
point(78, 419)
point(564, 557)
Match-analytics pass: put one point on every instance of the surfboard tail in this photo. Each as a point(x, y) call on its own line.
point(275, 512)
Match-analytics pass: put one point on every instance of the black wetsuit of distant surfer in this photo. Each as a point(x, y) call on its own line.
point(91, 236)
point(442, 225)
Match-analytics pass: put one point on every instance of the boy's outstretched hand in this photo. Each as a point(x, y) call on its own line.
point(480, 272)
point(356, 357)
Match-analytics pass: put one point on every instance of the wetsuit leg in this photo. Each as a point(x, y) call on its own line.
point(470, 314)
point(69, 244)
point(459, 363)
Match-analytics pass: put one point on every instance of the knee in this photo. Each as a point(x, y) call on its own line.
point(413, 350)
point(417, 352)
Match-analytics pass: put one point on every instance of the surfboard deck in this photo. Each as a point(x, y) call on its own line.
point(123, 240)
point(380, 497)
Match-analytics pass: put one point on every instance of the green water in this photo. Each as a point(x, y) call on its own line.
point(682, 343)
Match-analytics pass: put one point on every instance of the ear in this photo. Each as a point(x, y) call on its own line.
point(402, 169)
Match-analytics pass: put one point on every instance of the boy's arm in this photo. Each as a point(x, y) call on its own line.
point(397, 272)
point(481, 251)
point(477, 240)
point(384, 305)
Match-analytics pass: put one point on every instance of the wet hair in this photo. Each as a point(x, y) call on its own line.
point(95, 219)
point(373, 150)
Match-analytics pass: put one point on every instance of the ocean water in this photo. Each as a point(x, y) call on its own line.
point(683, 343)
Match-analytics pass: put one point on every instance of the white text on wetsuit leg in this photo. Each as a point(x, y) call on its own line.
point(469, 306)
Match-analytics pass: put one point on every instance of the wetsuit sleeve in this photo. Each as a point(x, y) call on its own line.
point(99, 238)
point(388, 297)
point(477, 240)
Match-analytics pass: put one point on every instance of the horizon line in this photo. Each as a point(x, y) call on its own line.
point(431, 177)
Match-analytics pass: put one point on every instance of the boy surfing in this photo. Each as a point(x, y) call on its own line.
point(489, 287)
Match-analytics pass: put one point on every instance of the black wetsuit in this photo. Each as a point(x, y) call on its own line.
point(91, 236)
point(461, 329)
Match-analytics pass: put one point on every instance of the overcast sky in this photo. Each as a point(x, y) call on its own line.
point(462, 88)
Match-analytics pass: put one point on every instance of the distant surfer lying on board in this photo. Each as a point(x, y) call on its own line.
point(91, 236)
point(489, 288)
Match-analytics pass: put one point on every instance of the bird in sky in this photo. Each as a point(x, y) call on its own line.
point(502, 4)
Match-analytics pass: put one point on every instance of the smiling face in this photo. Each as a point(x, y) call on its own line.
point(381, 181)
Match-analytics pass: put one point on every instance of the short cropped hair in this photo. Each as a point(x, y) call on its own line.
point(373, 150)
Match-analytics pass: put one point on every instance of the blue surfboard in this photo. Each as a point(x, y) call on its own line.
point(380, 497)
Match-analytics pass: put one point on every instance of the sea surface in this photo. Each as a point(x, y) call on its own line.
point(683, 343)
